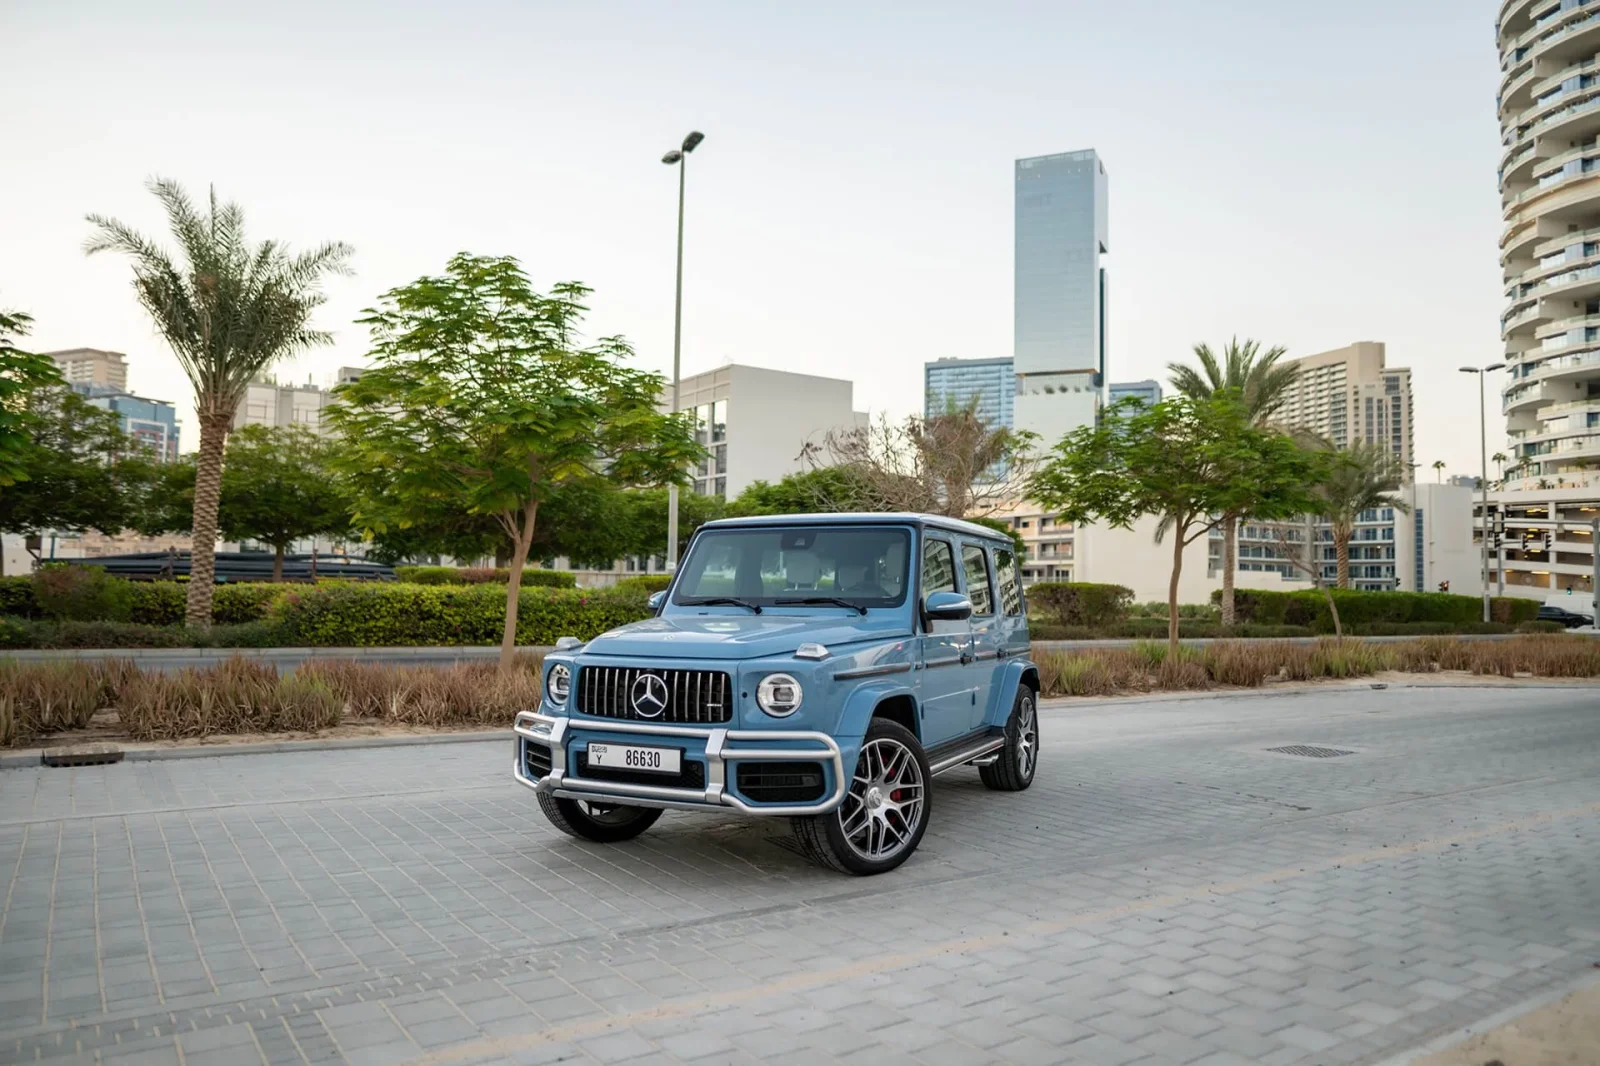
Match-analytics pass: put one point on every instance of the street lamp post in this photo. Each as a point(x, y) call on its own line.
point(678, 157)
point(1483, 481)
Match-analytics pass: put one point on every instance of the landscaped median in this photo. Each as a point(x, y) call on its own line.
point(116, 700)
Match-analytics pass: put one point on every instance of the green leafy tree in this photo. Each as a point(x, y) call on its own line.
point(1185, 461)
point(1001, 526)
point(165, 498)
point(229, 309)
point(279, 486)
point(77, 469)
point(1262, 384)
point(824, 489)
point(21, 375)
point(1358, 479)
point(481, 398)
point(646, 511)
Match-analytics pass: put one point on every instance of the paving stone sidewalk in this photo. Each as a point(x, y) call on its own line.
point(1168, 892)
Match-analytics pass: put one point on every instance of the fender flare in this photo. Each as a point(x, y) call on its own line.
point(1016, 673)
point(860, 705)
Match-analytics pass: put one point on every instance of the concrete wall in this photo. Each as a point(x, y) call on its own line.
point(1131, 557)
point(772, 414)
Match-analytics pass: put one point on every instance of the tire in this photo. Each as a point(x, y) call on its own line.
point(1013, 771)
point(890, 755)
point(604, 825)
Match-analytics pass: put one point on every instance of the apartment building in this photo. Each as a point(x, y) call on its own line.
point(1351, 396)
point(989, 383)
point(92, 366)
point(1549, 111)
point(266, 403)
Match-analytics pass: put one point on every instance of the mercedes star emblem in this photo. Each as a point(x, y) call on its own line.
point(649, 696)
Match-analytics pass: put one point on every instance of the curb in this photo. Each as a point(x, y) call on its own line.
point(152, 753)
point(1304, 688)
point(1452, 1039)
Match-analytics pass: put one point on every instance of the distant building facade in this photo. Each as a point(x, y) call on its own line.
point(1351, 396)
point(1146, 392)
point(1059, 292)
point(267, 403)
point(991, 383)
point(92, 366)
point(153, 423)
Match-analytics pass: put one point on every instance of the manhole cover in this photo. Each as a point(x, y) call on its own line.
point(1310, 751)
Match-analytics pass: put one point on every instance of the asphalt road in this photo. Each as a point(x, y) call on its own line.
point(1170, 891)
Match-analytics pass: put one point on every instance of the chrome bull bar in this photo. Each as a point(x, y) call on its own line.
point(552, 732)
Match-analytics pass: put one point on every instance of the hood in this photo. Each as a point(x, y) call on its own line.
point(733, 636)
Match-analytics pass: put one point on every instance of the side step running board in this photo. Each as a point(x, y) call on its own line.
point(984, 747)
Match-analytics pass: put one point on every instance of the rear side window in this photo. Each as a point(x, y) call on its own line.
point(976, 564)
point(938, 567)
point(1005, 565)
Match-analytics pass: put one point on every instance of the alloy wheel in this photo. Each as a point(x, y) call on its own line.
point(884, 806)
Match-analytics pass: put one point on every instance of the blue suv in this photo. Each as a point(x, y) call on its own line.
point(822, 668)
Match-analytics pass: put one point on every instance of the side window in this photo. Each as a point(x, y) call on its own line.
point(975, 562)
point(938, 567)
point(1010, 588)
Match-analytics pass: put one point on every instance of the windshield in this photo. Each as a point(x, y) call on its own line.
point(864, 565)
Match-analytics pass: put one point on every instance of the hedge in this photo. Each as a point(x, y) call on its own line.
point(1308, 607)
point(32, 633)
point(469, 575)
point(1077, 603)
point(1156, 629)
point(158, 603)
point(645, 583)
point(404, 614)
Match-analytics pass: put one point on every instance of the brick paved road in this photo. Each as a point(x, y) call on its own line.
point(1168, 892)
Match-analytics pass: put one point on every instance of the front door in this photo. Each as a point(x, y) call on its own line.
point(984, 663)
point(945, 689)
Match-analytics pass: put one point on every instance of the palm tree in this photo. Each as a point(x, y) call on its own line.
point(1438, 470)
point(1262, 384)
point(1358, 479)
point(1500, 460)
point(228, 309)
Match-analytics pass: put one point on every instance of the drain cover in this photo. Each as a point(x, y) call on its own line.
point(1310, 751)
point(83, 755)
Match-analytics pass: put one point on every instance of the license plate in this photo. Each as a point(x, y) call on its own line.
point(629, 757)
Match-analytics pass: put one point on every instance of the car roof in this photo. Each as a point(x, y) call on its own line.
point(864, 518)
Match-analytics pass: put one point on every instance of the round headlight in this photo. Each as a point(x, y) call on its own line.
point(558, 686)
point(779, 695)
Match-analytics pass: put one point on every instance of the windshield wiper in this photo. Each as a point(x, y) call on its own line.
point(835, 600)
point(721, 601)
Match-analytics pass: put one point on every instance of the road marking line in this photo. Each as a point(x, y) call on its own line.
point(801, 982)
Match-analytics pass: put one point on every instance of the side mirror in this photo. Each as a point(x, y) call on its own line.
point(946, 607)
point(656, 600)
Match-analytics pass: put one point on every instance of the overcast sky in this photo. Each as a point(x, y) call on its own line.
point(1307, 174)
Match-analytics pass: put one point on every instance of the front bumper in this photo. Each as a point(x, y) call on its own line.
point(552, 732)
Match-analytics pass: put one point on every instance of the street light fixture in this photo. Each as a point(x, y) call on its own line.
point(678, 157)
point(1483, 481)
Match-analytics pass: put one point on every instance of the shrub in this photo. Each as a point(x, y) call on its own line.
point(40, 698)
point(1349, 658)
point(1244, 665)
point(1081, 604)
point(468, 575)
point(81, 593)
point(366, 615)
point(234, 697)
point(1537, 626)
point(16, 597)
point(460, 694)
point(1308, 607)
point(645, 583)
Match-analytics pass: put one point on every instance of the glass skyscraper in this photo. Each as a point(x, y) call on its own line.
point(1059, 339)
point(1147, 392)
point(958, 382)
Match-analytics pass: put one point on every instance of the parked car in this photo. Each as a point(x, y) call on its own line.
point(822, 668)
point(1571, 619)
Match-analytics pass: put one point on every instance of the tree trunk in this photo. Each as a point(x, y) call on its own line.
point(207, 494)
point(1230, 549)
point(277, 562)
point(1333, 609)
point(1341, 552)
point(519, 557)
point(1172, 592)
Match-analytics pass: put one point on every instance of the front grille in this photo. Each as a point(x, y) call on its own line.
point(535, 759)
point(691, 697)
point(693, 774)
point(780, 782)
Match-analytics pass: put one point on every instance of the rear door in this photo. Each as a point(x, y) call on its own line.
point(982, 664)
point(944, 689)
